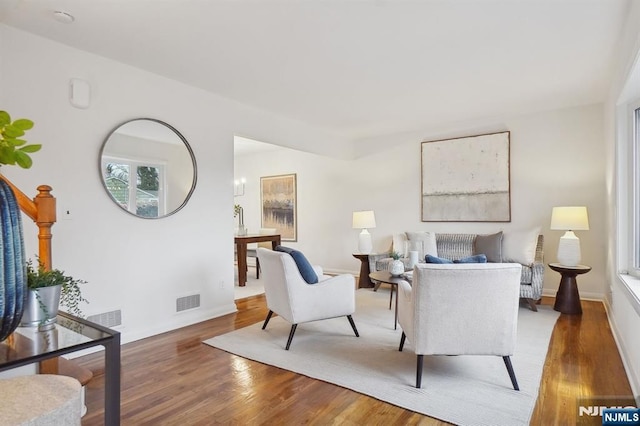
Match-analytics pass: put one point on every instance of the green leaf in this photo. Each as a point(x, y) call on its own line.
point(5, 118)
point(12, 131)
point(6, 156)
point(10, 140)
point(23, 123)
point(7, 159)
point(23, 160)
point(31, 148)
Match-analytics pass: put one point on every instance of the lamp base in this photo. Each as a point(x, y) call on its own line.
point(569, 249)
point(364, 242)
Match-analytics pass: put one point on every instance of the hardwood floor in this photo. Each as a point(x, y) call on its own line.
point(174, 379)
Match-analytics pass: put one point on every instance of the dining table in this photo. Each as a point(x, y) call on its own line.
point(241, 242)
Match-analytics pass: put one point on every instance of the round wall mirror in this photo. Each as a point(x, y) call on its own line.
point(148, 168)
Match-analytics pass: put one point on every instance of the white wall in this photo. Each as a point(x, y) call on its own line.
point(622, 307)
point(556, 159)
point(136, 265)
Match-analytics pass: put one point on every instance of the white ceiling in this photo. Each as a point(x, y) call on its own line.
point(245, 146)
point(359, 68)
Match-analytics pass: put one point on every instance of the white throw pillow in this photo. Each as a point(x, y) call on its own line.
point(520, 246)
point(399, 244)
point(423, 242)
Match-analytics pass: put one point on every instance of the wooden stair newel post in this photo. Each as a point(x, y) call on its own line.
point(46, 216)
point(42, 210)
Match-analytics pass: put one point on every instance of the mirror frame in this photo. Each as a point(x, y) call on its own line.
point(187, 146)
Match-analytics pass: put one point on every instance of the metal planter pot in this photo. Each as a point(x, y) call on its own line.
point(41, 307)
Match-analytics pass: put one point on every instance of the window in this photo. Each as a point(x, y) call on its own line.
point(628, 199)
point(146, 198)
point(634, 240)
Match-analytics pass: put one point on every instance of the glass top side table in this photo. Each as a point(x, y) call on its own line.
point(27, 345)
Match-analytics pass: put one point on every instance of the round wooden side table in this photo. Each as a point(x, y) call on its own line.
point(363, 280)
point(386, 277)
point(567, 297)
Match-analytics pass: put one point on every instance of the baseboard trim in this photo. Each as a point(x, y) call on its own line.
point(596, 297)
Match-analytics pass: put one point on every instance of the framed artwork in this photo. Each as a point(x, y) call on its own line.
point(466, 179)
point(279, 205)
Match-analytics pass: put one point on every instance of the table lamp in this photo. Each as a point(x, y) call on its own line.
point(364, 220)
point(569, 219)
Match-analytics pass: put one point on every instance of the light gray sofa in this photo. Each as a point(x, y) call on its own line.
point(458, 246)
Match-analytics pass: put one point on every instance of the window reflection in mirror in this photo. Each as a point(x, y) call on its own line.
point(148, 168)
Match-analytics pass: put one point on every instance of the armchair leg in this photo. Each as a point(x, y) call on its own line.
point(291, 333)
point(532, 305)
point(257, 268)
point(353, 325)
point(512, 374)
point(402, 338)
point(419, 372)
point(266, 321)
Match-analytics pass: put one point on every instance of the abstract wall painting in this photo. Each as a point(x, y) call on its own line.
point(466, 179)
point(279, 205)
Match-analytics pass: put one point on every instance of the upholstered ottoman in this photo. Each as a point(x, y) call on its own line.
point(40, 400)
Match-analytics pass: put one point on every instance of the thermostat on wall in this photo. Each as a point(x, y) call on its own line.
point(79, 93)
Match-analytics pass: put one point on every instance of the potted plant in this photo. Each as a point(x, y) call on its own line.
point(396, 268)
point(47, 290)
point(239, 212)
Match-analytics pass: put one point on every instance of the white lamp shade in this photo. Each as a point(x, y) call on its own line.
point(569, 219)
point(364, 219)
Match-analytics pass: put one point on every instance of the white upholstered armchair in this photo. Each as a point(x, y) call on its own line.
point(463, 309)
point(289, 295)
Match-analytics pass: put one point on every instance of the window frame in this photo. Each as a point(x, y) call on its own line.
point(633, 243)
point(133, 164)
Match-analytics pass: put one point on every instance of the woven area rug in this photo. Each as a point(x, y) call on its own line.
point(465, 390)
point(253, 286)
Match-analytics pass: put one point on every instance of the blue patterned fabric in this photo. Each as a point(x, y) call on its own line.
point(305, 268)
point(478, 258)
point(13, 279)
point(434, 259)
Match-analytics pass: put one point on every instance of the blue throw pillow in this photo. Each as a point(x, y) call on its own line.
point(478, 258)
point(305, 268)
point(433, 259)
